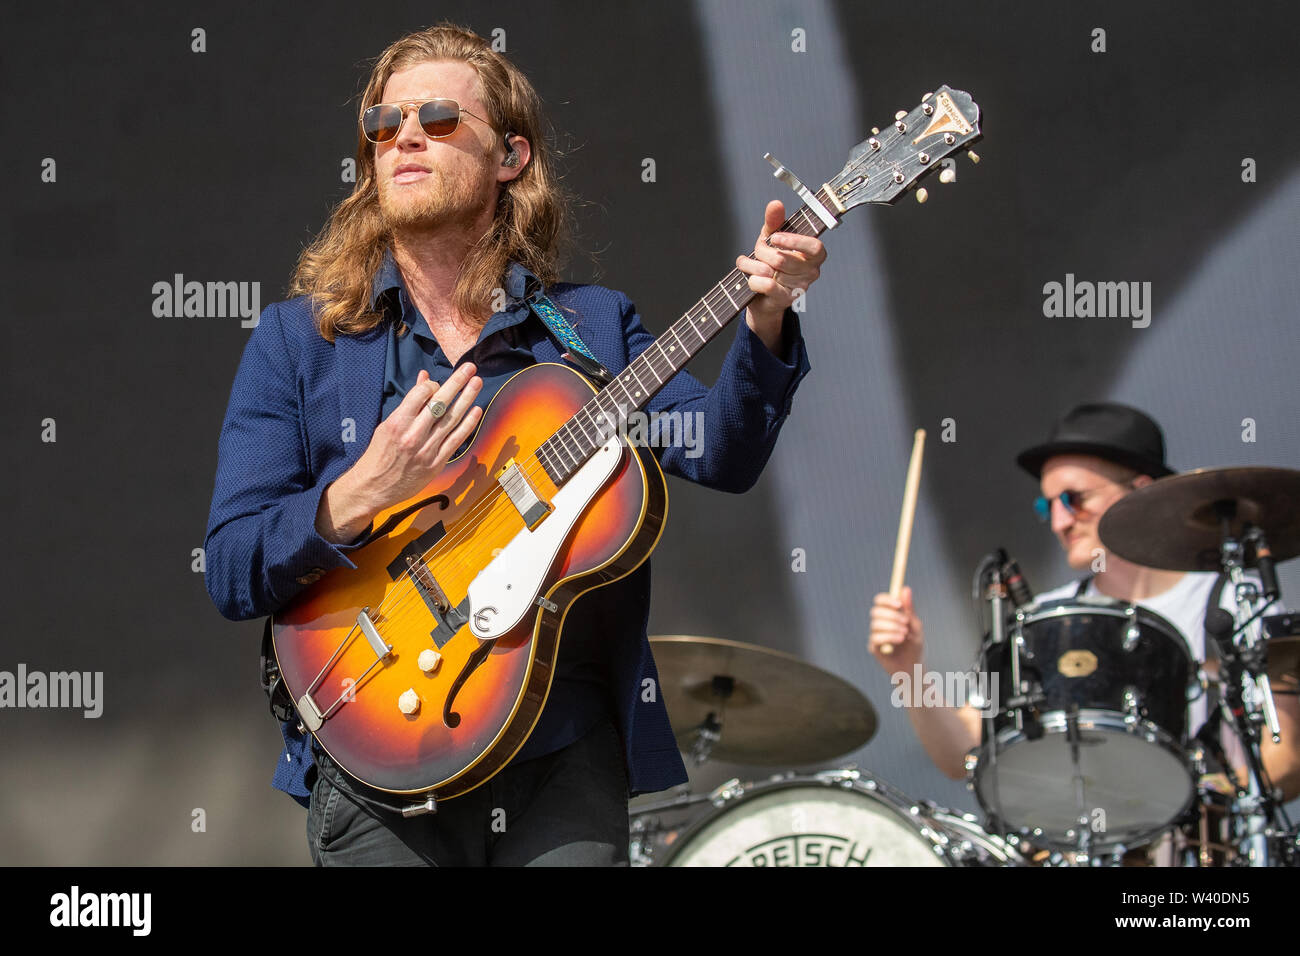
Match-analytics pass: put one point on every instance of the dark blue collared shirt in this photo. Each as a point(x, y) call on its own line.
point(579, 695)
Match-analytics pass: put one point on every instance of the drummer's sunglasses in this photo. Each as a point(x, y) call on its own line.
point(1073, 501)
point(438, 118)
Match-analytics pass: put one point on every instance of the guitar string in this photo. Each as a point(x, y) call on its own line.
point(404, 599)
point(665, 365)
point(469, 524)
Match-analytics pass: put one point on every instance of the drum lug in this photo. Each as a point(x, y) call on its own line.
point(727, 791)
point(641, 848)
point(962, 851)
point(1133, 634)
point(844, 776)
point(1132, 705)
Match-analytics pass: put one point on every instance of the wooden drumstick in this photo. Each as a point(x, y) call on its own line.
point(905, 523)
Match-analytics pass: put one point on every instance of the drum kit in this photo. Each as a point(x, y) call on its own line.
point(1086, 761)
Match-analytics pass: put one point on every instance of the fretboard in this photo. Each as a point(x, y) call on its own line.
point(575, 441)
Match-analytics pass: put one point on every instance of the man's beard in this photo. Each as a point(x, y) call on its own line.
point(432, 203)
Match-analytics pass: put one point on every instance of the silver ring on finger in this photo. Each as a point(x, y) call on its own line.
point(437, 408)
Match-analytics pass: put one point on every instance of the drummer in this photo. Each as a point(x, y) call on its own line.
point(1096, 455)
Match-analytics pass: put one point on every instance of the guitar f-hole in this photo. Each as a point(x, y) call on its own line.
point(475, 660)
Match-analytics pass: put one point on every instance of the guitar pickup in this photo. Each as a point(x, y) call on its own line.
point(532, 507)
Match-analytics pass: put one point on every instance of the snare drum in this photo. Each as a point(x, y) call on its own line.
point(1091, 729)
point(836, 818)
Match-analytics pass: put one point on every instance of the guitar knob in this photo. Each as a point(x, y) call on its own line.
point(429, 660)
point(922, 195)
point(974, 156)
point(409, 702)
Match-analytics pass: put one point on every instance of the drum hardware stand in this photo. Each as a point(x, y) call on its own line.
point(995, 593)
point(707, 734)
point(1246, 690)
point(992, 584)
point(709, 731)
point(1084, 823)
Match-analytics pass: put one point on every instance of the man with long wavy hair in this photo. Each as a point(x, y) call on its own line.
point(412, 309)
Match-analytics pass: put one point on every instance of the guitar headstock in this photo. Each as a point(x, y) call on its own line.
point(881, 168)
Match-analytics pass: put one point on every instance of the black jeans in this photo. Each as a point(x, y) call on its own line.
point(568, 808)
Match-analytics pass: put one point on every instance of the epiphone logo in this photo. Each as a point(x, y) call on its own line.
point(804, 849)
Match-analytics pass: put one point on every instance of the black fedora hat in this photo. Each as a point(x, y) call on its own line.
point(1107, 430)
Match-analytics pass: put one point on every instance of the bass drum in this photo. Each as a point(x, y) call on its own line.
point(837, 818)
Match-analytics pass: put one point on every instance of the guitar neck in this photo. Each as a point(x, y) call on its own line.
point(574, 442)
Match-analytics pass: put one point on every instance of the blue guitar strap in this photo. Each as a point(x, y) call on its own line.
point(578, 352)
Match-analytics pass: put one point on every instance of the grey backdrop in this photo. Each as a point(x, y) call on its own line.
point(1115, 166)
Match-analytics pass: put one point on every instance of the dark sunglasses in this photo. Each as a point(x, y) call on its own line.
point(438, 118)
point(1073, 500)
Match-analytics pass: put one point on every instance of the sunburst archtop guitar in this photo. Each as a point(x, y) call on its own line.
point(423, 671)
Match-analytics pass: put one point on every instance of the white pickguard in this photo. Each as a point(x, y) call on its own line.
point(506, 590)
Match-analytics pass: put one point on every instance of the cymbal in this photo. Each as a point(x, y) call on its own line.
point(775, 709)
point(1173, 523)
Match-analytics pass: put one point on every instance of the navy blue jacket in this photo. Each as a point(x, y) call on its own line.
point(283, 442)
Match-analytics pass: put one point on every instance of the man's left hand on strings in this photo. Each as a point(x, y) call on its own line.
point(778, 271)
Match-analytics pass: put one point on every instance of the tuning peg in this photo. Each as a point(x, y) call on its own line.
point(926, 97)
point(900, 114)
point(922, 195)
point(974, 156)
point(875, 131)
point(947, 175)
